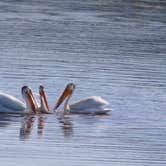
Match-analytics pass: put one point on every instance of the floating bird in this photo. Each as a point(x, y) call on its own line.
point(90, 105)
point(10, 104)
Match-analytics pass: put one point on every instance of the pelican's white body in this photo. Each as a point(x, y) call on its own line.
point(10, 104)
point(90, 105)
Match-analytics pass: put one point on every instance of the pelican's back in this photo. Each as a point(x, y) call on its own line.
point(93, 104)
point(10, 104)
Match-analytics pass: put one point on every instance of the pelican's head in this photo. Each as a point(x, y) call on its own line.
point(71, 86)
point(66, 94)
point(29, 99)
point(43, 99)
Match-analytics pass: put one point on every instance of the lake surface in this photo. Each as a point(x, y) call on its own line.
point(115, 49)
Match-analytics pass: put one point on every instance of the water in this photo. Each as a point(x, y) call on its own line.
point(115, 49)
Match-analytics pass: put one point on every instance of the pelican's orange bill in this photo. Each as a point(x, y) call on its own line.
point(43, 94)
point(32, 103)
point(67, 92)
point(34, 100)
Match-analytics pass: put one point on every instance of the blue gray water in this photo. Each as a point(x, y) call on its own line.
point(115, 49)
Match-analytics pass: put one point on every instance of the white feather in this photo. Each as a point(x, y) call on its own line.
point(10, 104)
point(90, 105)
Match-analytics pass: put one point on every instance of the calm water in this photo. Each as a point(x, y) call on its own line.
point(116, 49)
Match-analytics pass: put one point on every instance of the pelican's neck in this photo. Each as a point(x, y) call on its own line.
point(66, 105)
point(30, 105)
point(43, 106)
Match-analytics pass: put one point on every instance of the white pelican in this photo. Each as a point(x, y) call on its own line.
point(90, 105)
point(10, 104)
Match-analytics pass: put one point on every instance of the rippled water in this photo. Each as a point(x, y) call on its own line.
point(116, 49)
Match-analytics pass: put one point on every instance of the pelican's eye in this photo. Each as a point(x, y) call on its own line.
point(25, 89)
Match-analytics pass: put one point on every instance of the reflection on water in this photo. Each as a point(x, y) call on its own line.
point(7, 119)
point(67, 126)
point(41, 124)
point(29, 122)
point(27, 126)
point(115, 49)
